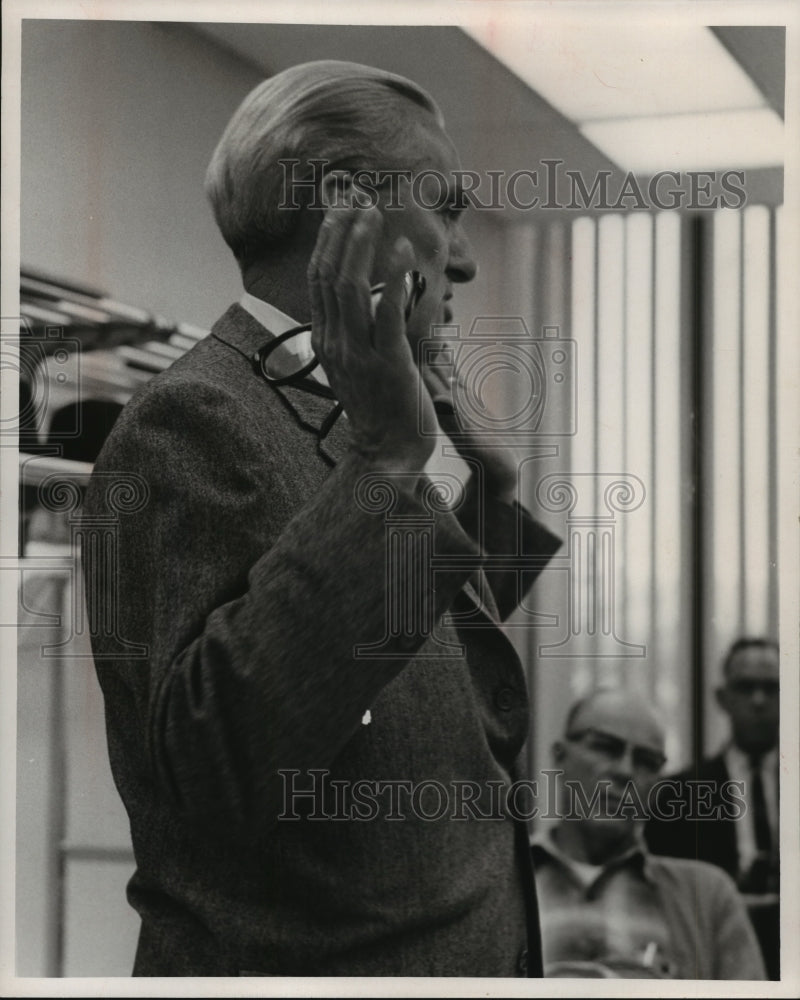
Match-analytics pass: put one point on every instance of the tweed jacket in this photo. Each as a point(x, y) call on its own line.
point(281, 750)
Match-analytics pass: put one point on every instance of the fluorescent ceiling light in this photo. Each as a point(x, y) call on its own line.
point(587, 71)
point(666, 97)
point(735, 139)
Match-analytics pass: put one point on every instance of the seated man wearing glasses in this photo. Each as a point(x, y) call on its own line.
point(727, 807)
point(608, 907)
point(306, 661)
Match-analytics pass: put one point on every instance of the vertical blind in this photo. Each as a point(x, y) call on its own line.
point(674, 318)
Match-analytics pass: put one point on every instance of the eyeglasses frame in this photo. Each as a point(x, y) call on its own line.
point(579, 735)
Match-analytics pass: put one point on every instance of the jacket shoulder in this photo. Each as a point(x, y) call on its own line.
point(212, 377)
point(702, 875)
point(708, 769)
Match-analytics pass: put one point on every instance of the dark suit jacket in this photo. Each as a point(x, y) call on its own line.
point(249, 578)
point(711, 836)
point(714, 840)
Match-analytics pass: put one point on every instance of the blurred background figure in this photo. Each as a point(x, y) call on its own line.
point(609, 908)
point(739, 834)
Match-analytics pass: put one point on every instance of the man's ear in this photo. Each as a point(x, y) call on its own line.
point(558, 750)
point(722, 696)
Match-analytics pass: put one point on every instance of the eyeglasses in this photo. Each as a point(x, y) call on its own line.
point(290, 357)
point(612, 748)
point(748, 688)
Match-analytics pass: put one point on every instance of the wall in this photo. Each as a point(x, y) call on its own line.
point(119, 121)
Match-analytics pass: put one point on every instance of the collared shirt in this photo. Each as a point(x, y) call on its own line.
point(739, 769)
point(707, 933)
point(609, 916)
point(277, 322)
point(273, 319)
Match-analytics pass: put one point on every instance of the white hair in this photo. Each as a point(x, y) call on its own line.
point(337, 112)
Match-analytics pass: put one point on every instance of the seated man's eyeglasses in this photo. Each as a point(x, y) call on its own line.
point(612, 748)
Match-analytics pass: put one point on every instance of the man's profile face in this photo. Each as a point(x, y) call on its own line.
point(611, 740)
point(430, 216)
point(750, 697)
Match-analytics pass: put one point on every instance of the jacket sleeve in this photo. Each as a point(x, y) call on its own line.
point(251, 621)
point(518, 546)
point(737, 953)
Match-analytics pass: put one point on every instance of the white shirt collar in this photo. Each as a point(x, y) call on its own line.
point(587, 873)
point(277, 322)
point(268, 316)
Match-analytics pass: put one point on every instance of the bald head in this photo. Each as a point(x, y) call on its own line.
point(618, 712)
point(612, 751)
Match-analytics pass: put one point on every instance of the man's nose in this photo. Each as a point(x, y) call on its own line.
point(623, 765)
point(461, 264)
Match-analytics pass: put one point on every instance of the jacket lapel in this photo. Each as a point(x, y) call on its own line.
point(240, 330)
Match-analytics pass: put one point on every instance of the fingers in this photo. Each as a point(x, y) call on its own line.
point(390, 324)
point(352, 283)
point(439, 385)
point(368, 361)
point(440, 389)
point(324, 312)
point(338, 280)
point(438, 371)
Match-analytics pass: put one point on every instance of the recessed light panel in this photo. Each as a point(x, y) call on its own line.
point(589, 72)
point(651, 97)
point(735, 139)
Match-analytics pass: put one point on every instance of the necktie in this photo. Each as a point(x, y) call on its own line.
point(758, 804)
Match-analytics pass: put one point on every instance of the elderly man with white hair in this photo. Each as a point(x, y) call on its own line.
point(313, 748)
